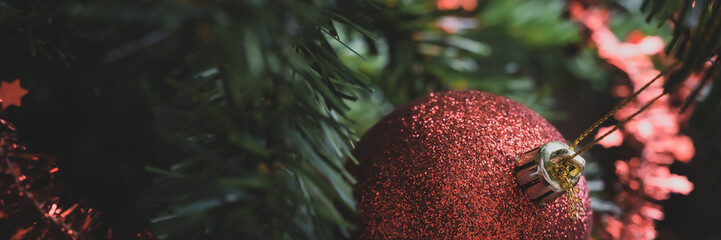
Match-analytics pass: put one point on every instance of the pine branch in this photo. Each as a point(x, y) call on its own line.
point(696, 38)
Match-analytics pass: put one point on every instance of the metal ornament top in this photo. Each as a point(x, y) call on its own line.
point(536, 171)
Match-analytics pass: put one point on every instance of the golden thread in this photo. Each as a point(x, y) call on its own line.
point(561, 170)
point(613, 111)
point(619, 124)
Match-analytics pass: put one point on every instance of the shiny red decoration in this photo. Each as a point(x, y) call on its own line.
point(441, 167)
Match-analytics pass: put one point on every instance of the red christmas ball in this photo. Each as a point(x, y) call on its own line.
point(442, 167)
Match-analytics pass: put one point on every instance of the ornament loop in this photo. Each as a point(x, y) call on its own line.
point(535, 171)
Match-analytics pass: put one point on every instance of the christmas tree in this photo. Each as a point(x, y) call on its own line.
point(238, 119)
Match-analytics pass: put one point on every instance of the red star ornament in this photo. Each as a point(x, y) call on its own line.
point(11, 93)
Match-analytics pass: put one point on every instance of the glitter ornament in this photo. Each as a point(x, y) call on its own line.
point(442, 167)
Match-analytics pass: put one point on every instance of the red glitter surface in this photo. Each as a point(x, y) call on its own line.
point(441, 167)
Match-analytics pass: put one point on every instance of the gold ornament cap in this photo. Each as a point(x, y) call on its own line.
point(545, 172)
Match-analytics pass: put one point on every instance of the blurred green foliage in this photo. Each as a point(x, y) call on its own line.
point(514, 48)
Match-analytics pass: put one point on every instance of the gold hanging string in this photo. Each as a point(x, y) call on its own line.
point(563, 169)
point(613, 111)
point(619, 124)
